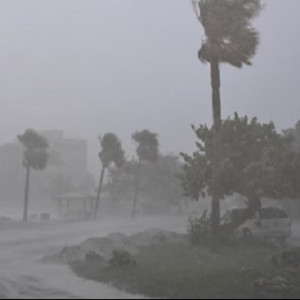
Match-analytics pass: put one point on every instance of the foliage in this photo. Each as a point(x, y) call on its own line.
point(35, 156)
point(35, 152)
point(147, 145)
point(199, 230)
point(230, 38)
point(159, 184)
point(121, 259)
point(111, 150)
point(58, 183)
point(294, 135)
point(256, 162)
point(179, 271)
point(147, 150)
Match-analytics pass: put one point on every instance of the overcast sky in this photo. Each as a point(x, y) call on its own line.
point(92, 66)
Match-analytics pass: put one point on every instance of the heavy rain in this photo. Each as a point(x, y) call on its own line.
point(149, 149)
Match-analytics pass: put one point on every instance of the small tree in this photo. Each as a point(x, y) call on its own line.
point(35, 156)
point(256, 162)
point(159, 186)
point(147, 150)
point(111, 153)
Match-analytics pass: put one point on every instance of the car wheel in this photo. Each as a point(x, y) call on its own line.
point(247, 234)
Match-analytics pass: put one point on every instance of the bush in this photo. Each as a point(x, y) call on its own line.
point(199, 229)
point(199, 232)
point(121, 259)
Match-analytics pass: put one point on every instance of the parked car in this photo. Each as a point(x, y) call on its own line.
point(269, 222)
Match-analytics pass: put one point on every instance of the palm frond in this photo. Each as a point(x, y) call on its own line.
point(230, 38)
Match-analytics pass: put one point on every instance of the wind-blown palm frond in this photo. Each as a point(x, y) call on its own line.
point(230, 37)
point(147, 145)
point(111, 150)
point(35, 149)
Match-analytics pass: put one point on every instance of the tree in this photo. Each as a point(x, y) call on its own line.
point(159, 187)
point(294, 134)
point(35, 156)
point(256, 162)
point(231, 39)
point(147, 150)
point(111, 152)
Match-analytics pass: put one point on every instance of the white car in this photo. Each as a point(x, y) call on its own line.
point(270, 222)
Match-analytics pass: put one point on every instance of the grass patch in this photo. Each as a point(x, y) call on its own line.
point(180, 271)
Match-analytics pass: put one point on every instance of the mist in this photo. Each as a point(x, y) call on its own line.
point(82, 78)
point(88, 67)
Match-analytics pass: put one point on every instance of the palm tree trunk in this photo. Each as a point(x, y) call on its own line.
point(216, 161)
point(99, 193)
point(26, 195)
point(135, 199)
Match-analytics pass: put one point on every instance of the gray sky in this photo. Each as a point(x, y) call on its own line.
point(92, 66)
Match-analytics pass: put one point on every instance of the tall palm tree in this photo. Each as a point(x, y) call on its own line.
point(229, 38)
point(111, 153)
point(147, 150)
point(35, 156)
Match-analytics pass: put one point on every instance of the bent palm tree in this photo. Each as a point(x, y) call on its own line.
point(147, 150)
point(231, 39)
point(111, 153)
point(35, 156)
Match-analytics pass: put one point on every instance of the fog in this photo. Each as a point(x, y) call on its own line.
point(74, 70)
point(89, 67)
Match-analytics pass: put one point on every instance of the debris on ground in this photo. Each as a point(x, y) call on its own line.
point(115, 249)
point(276, 287)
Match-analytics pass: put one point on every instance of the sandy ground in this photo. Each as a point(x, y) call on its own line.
point(22, 276)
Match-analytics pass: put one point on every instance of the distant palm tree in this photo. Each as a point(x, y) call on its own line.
point(147, 150)
point(231, 39)
point(111, 153)
point(35, 156)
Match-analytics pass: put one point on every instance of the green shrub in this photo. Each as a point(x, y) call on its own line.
point(199, 230)
point(121, 259)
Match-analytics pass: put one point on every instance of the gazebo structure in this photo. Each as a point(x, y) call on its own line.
point(76, 205)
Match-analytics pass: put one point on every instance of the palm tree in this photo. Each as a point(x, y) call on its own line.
point(147, 150)
point(111, 153)
point(229, 38)
point(35, 156)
